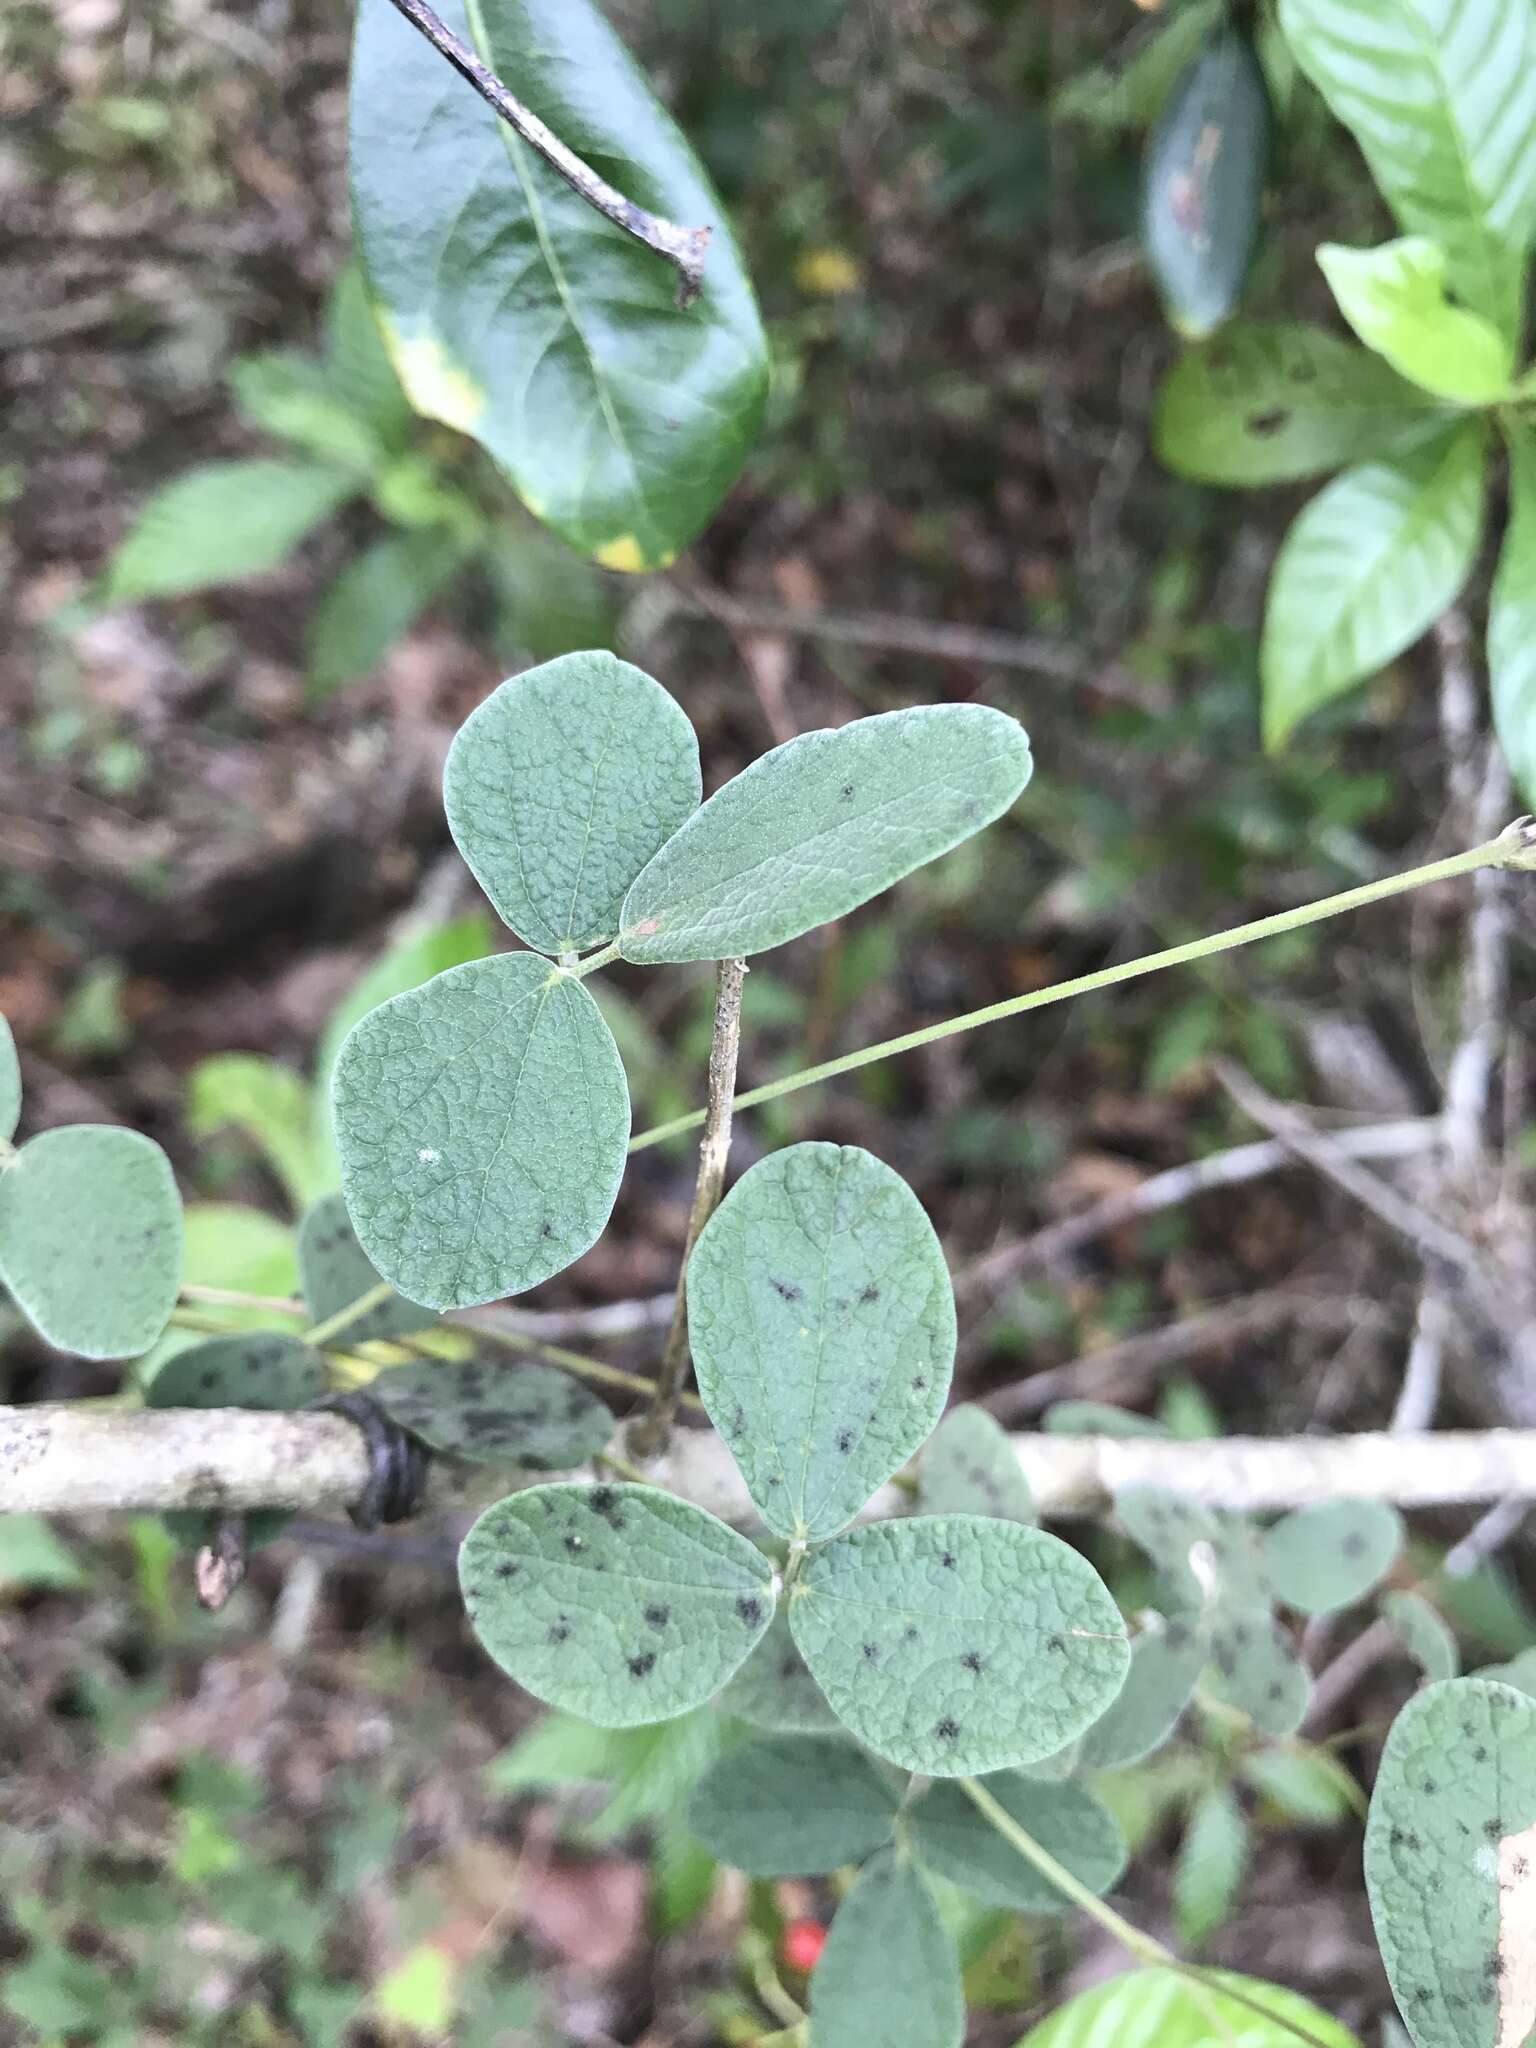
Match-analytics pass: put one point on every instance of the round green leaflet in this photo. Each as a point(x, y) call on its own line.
point(10, 1085)
point(491, 1413)
point(334, 1271)
point(889, 1976)
point(618, 1603)
point(1331, 1555)
point(1423, 1633)
point(91, 1238)
point(958, 1644)
point(559, 789)
point(969, 1468)
point(793, 1806)
point(482, 1121)
point(819, 825)
point(1450, 1865)
point(953, 1838)
point(514, 313)
point(255, 1369)
point(822, 1324)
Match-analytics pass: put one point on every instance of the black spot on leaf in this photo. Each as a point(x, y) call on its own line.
point(559, 1631)
point(749, 1610)
point(658, 1617)
point(1264, 424)
point(871, 1653)
point(972, 1660)
point(845, 1441)
point(869, 1296)
point(948, 1560)
point(947, 1730)
point(642, 1665)
point(785, 1289)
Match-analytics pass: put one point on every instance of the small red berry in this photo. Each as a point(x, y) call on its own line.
point(801, 1944)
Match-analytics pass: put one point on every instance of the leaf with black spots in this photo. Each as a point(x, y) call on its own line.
point(969, 1468)
point(493, 1414)
point(334, 1271)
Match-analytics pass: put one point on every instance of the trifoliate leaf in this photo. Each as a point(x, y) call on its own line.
point(969, 1468)
point(10, 1085)
point(493, 1414)
point(1162, 2008)
point(955, 1839)
point(1423, 1633)
point(1331, 1555)
point(1450, 1865)
point(619, 1603)
point(796, 1806)
point(821, 824)
point(255, 1369)
point(1166, 1664)
point(334, 1271)
point(91, 1239)
point(774, 1689)
point(955, 1644)
point(889, 1976)
point(822, 1324)
point(559, 789)
point(482, 1122)
point(1209, 1872)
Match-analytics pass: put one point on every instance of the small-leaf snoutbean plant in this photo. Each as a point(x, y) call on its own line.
point(927, 1699)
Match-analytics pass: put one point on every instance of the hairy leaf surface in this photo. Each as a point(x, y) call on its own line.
point(889, 1976)
point(797, 1806)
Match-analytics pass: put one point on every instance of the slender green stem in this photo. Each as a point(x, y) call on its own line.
point(321, 1333)
point(593, 961)
point(1146, 1948)
point(233, 1297)
point(1509, 850)
point(621, 1468)
point(571, 1361)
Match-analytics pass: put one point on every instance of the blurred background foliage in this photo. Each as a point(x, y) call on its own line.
point(315, 1818)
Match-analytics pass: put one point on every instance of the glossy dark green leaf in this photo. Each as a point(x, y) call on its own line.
point(10, 1084)
point(775, 1690)
point(953, 1644)
point(1331, 1555)
point(482, 1122)
point(253, 1369)
point(796, 1806)
point(1369, 565)
point(561, 786)
point(334, 1271)
point(91, 1239)
point(495, 1414)
point(822, 1324)
point(1270, 404)
point(515, 313)
point(969, 1468)
point(956, 1840)
point(619, 1603)
point(889, 1976)
point(821, 824)
point(1512, 619)
point(1203, 182)
point(1450, 1865)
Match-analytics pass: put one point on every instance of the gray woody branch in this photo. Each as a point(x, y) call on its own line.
point(68, 1458)
point(684, 248)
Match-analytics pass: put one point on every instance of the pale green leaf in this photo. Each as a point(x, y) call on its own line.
point(91, 1239)
point(1450, 1865)
point(954, 1644)
point(1441, 97)
point(1269, 404)
point(1208, 1873)
point(1165, 1668)
point(220, 523)
point(482, 1123)
point(889, 1976)
point(232, 1246)
point(819, 825)
point(1520, 1672)
point(969, 1468)
point(496, 1414)
point(1255, 1668)
point(292, 397)
point(1160, 2008)
point(559, 789)
point(375, 601)
point(273, 1108)
point(254, 1369)
point(1512, 619)
point(822, 1324)
point(620, 1603)
point(792, 1806)
point(682, 1876)
point(403, 966)
point(1307, 1786)
point(334, 1271)
point(774, 1689)
point(559, 1749)
point(514, 313)
point(1331, 1555)
point(1367, 567)
point(955, 1839)
point(1395, 298)
point(358, 362)
point(32, 1554)
point(1179, 1536)
point(10, 1084)
point(1423, 1633)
